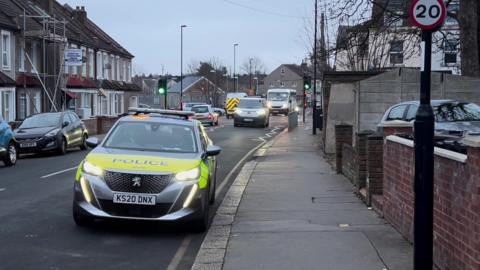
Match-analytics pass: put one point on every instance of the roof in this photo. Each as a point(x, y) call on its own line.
point(297, 69)
point(28, 80)
point(158, 119)
point(187, 83)
point(5, 80)
point(7, 15)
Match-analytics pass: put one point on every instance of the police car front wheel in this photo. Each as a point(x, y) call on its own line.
point(80, 218)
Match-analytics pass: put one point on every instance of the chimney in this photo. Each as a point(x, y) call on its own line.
point(80, 14)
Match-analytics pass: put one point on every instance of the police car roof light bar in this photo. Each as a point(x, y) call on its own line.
point(182, 114)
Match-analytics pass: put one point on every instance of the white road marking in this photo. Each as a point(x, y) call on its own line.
point(179, 254)
point(2, 189)
point(59, 172)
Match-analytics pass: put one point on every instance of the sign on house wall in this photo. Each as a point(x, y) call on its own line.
point(73, 57)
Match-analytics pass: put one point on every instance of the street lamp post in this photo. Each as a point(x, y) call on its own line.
point(234, 66)
point(227, 77)
point(181, 66)
point(250, 71)
point(314, 131)
point(215, 89)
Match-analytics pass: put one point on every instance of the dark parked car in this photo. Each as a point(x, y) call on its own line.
point(55, 131)
point(452, 117)
point(8, 148)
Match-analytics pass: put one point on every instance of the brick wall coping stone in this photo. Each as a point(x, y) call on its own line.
point(438, 151)
point(472, 141)
point(397, 123)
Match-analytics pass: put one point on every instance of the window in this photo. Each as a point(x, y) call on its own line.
point(272, 84)
point(86, 100)
point(412, 113)
point(22, 110)
point(91, 65)
point(129, 72)
point(450, 51)
point(282, 84)
point(6, 57)
point(117, 77)
point(7, 102)
point(99, 65)
point(282, 71)
point(104, 106)
point(396, 52)
point(397, 113)
point(84, 62)
point(294, 84)
point(452, 8)
point(117, 103)
point(21, 59)
point(34, 56)
point(124, 71)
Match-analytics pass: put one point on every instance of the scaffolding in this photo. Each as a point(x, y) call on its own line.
point(54, 42)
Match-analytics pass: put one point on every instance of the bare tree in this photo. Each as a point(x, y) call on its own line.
point(253, 65)
point(368, 30)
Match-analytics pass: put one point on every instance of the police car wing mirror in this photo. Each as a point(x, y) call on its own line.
point(213, 150)
point(93, 142)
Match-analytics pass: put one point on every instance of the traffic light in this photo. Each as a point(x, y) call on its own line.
point(307, 83)
point(162, 86)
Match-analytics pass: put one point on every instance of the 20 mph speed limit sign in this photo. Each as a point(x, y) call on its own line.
point(428, 14)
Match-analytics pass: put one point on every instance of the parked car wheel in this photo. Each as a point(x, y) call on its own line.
point(83, 146)
point(12, 155)
point(62, 148)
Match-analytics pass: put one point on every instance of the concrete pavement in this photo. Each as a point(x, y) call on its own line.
point(294, 212)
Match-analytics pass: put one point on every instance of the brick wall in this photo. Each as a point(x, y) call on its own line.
point(374, 166)
point(343, 135)
point(100, 124)
point(349, 162)
point(361, 149)
point(456, 202)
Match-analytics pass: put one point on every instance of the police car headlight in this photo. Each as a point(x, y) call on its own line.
point(92, 169)
point(238, 111)
point(192, 174)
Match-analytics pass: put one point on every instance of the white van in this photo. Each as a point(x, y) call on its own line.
point(282, 101)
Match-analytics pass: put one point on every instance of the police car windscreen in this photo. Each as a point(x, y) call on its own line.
point(151, 136)
point(200, 109)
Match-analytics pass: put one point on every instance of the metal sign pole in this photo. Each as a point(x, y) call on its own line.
point(314, 107)
point(424, 162)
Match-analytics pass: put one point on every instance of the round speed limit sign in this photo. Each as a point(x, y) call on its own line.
point(428, 14)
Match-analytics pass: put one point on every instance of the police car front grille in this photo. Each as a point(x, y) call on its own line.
point(125, 182)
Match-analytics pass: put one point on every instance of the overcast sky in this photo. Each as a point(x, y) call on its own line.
point(150, 29)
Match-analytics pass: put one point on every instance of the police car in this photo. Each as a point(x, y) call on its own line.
point(152, 165)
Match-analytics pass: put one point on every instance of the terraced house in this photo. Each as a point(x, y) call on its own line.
point(55, 58)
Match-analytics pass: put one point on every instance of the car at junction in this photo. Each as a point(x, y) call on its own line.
point(205, 114)
point(189, 105)
point(252, 111)
point(8, 147)
point(155, 165)
point(53, 131)
point(452, 117)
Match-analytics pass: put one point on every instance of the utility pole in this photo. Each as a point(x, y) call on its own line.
point(314, 107)
point(181, 66)
point(234, 67)
point(250, 71)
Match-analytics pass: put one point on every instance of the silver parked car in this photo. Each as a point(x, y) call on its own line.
point(452, 117)
point(252, 111)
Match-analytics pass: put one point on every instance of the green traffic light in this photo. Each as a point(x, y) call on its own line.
point(307, 86)
point(161, 91)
